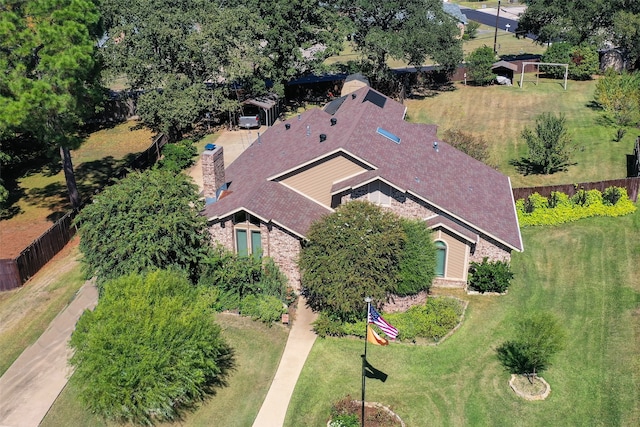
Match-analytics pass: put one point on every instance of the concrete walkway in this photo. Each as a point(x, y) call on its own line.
point(299, 343)
point(31, 385)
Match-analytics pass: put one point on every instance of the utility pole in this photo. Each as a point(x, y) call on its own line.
point(495, 37)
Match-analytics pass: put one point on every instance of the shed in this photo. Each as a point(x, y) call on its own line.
point(504, 69)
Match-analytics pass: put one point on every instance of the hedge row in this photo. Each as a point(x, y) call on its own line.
point(559, 208)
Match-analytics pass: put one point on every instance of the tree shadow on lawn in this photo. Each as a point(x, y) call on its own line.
point(525, 167)
point(91, 178)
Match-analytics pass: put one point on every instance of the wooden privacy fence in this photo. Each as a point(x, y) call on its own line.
point(14, 272)
point(631, 184)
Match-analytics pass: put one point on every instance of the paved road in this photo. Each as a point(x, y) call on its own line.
point(488, 17)
point(33, 382)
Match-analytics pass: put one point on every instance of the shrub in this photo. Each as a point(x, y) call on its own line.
point(432, 320)
point(582, 60)
point(583, 204)
point(612, 195)
point(265, 308)
point(479, 64)
point(326, 326)
point(178, 156)
point(418, 260)
point(490, 276)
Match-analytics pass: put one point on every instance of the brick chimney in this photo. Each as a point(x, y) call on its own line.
point(212, 171)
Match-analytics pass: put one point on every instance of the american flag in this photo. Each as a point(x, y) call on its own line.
point(375, 318)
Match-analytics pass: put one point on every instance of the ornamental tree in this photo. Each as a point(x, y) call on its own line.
point(549, 144)
point(149, 350)
point(479, 64)
point(148, 220)
point(538, 338)
point(350, 254)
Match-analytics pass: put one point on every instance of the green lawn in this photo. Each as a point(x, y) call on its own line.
point(499, 113)
point(258, 351)
point(26, 312)
point(585, 273)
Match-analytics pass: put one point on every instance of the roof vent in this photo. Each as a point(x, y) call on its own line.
point(287, 126)
point(299, 117)
point(333, 121)
point(435, 145)
point(308, 130)
point(323, 137)
point(353, 96)
point(259, 139)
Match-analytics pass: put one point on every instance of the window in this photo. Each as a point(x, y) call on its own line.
point(441, 257)
point(247, 235)
point(380, 193)
point(248, 242)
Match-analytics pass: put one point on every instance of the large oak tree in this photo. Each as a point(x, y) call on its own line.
point(409, 30)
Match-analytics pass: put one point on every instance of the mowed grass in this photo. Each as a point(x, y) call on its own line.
point(40, 194)
point(585, 273)
point(26, 312)
point(500, 113)
point(258, 349)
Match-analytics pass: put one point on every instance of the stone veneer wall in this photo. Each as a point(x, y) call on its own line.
point(222, 232)
point(281, 246)
point(284, 249)
point(408, 206)
point(491, 249)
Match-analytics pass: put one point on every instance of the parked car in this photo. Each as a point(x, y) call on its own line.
point(249, 118)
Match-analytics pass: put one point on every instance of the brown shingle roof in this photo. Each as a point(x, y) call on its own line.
point(448, 179)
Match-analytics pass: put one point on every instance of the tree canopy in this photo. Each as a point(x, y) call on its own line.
point(147, 220)
point(619, 96)
point(352, 253)
point(411, 30)
point(150, 349)
point(578, 21)
point(49, 83)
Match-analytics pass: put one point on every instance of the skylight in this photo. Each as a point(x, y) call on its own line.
point(388, 135)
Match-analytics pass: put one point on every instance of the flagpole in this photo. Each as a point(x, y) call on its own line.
point(364, 356)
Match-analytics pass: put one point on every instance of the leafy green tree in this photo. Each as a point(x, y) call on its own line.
point(49, 80)
point(538, 338)
point(418, 261)
point(297, 35)
point(619, 96)
point(149, 350)
point(353, 253)
point(626, 32)
point(145, 221)
point(573, 21)
point(479, 64)
point(550, 144)
point(577, 21)
point(582, 60)
point(183, 54)
point(409, 30)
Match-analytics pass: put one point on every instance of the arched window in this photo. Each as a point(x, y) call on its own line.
point(441, 257)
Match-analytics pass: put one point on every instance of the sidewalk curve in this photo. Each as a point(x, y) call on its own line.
point(299, 343)
point(31, 385)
